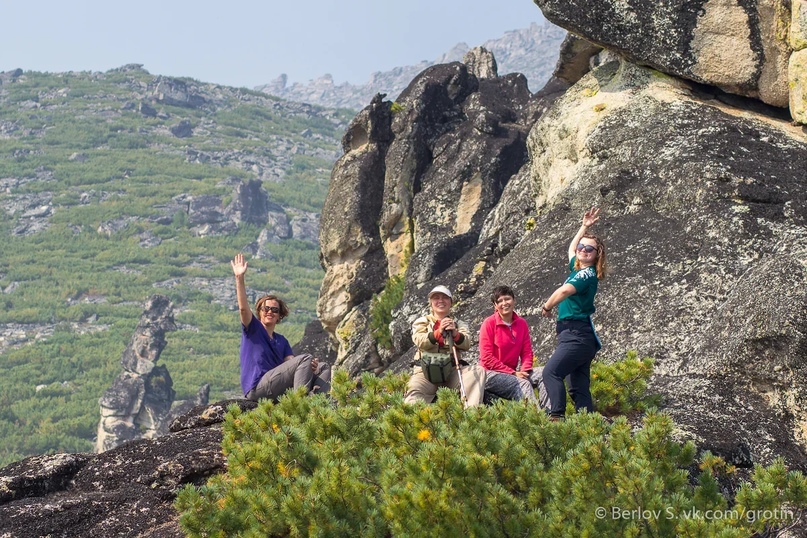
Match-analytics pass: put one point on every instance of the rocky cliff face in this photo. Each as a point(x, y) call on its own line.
point(530, 51)
point(209, 216)
point(704, 196)
point(413, 189)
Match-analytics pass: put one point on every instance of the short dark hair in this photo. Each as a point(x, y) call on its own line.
point(284, 309)
point(500, 291)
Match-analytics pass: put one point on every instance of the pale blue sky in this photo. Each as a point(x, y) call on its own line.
point(248, 42)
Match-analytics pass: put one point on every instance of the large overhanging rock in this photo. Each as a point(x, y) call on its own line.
point(740, 47)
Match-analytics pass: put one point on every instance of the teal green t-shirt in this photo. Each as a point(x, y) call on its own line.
point(580, 305)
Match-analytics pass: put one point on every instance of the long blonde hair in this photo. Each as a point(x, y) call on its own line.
point(602, 264)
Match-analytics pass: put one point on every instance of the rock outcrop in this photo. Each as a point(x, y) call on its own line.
point(481, 63)
point(7, 77)
point(250, 204)
point(412, 192)
point(140, 403)
point(126, 491)
point(704, 197)
point(177, 92)
point(352, 256)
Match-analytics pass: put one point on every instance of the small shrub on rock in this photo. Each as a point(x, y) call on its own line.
point(381, 310)
point(620, 388)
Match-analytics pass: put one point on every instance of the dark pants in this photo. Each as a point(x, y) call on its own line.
point(577, 346)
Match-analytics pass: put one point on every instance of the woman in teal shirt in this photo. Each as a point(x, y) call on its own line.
point(577, 341)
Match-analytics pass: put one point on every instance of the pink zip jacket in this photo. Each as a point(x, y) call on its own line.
point(500, 346)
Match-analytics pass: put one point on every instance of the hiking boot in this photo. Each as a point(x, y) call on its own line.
point(557, 418)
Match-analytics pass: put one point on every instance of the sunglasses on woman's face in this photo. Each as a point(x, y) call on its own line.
point(588, 248)
point(273, 309)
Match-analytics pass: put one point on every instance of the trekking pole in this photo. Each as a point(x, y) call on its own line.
point(449, 338)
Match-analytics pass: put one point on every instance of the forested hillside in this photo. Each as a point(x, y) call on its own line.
point(118, 185)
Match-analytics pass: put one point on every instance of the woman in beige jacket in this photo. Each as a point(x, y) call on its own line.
point(432, 334)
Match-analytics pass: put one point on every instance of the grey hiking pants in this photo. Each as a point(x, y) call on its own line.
point(292, 374)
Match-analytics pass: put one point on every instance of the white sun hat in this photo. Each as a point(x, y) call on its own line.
point(440, 289)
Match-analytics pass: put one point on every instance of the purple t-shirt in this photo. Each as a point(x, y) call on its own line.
point(259, 353)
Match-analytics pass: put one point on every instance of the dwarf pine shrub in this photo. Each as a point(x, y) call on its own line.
point(381, 310)
point(621, 388)
point(365, 464)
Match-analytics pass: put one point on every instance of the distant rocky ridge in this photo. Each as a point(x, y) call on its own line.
point(147, 98)
point(530, 51)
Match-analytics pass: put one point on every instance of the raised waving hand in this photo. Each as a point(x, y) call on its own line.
point(591, 217)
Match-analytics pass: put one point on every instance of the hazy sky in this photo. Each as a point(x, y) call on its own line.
point(248, 42)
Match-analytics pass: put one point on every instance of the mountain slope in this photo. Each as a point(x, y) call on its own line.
point(121, 184)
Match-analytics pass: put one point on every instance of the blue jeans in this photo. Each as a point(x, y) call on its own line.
point(577, 346)
point(511, 387)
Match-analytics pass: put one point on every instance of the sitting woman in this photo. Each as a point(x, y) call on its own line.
point(268, 365)
point(433, 335)
point(505, 350)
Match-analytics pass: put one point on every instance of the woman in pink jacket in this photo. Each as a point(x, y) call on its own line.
point(505, 350)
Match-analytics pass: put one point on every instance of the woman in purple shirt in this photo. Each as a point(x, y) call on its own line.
point(268, 366)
